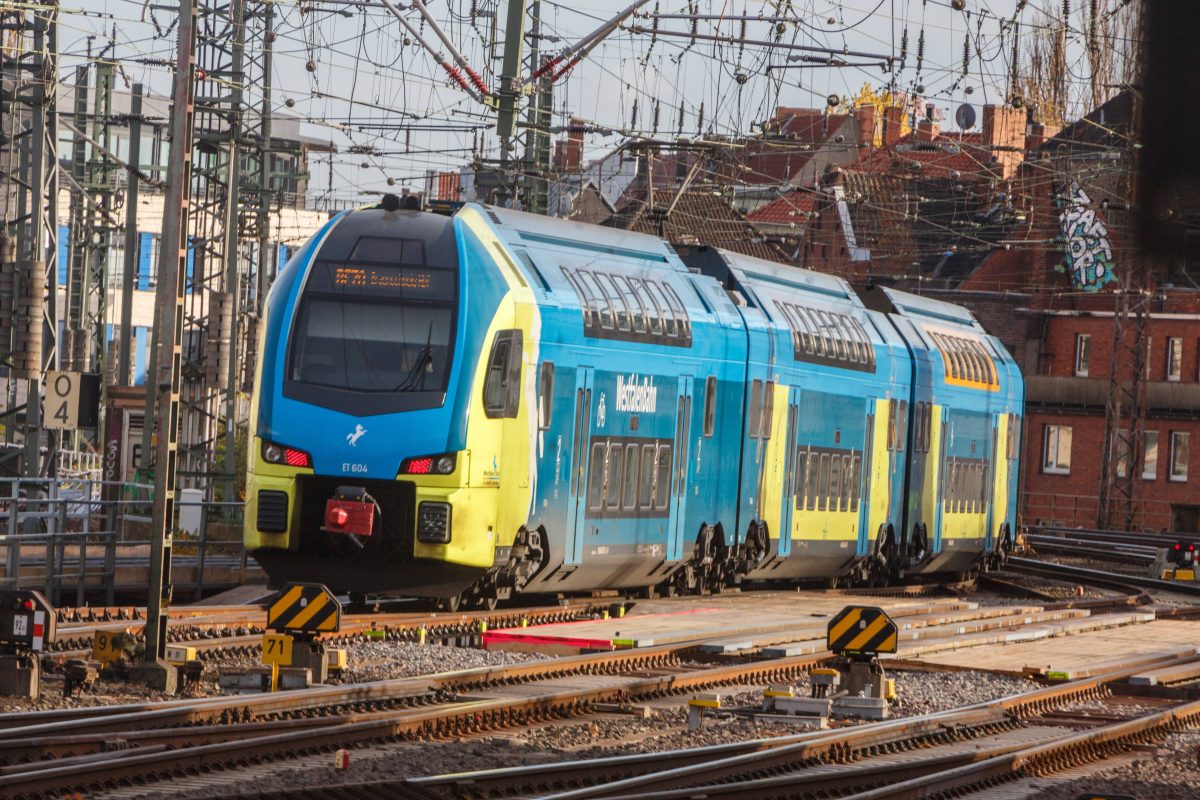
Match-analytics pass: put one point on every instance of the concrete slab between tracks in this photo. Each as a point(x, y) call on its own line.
point(730, 624)
point(1067, 650)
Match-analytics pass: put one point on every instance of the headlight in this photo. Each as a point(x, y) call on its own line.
point(272, 453)
point(445, 465)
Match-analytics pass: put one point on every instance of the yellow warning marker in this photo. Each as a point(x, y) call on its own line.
point(861, 630)
point(305, 608)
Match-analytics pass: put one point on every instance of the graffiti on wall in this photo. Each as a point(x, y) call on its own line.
point(1088, 257)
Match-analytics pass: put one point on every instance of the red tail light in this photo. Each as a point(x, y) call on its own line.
point(418, 466)
point(296, 458)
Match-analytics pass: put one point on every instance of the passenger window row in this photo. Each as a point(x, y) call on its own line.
point(827, 479)
point(828, 337)
point(965, 486)
point(629, 477)
point(965, 359)
point(634, 309)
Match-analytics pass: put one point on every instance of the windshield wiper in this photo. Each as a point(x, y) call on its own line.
point(415, 379)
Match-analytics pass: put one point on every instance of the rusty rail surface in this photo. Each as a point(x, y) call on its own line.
point(1096, 577)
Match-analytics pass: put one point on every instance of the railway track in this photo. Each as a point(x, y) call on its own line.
point(945, 752)
point(1096, 577)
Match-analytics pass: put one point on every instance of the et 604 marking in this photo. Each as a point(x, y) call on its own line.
point(349, 467)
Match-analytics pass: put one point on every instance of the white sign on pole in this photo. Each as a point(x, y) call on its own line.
point(61, 409)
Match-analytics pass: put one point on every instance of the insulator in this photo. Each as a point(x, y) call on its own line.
point(903, 47)
point(407, 138)
point(679, 131)
point(474, 9)
point(1066, 10)
point(920, 49)
point(700, 120)
point(966, 54)
point(633, 116)
point(657, 112)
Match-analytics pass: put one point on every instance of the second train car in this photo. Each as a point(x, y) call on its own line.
point(471, 405)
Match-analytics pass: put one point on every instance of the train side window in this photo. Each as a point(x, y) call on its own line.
point(807, 333)
point(867, 343)
point(797, 489)
point(646, 485)
point(637, 314)
point(835, 483)
point(891, 431)
point(654, 312)
point(847, 477)
point(855, 480)
point(502, 388)
point(629, 492)
point(662, 479)
point(786, 311)
point(601, 312)
point(902, 425)
point(847, 348)
point(585, 303)
point(596, 476)
point(710, 405)
point(768, 417)
point(545, 395)
point(810, 481)
point(823, 483)
point(613, 479)
point(818, 341)
point(679, 310)
point(620, 312)
point(670, 324)
point(754, 418)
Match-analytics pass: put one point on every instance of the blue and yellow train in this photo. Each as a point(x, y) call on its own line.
point(470, 405)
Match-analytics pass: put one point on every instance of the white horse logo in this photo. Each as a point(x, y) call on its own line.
point(353, 438)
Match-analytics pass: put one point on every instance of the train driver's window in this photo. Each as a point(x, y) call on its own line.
point(501, 388)
point(596, 476)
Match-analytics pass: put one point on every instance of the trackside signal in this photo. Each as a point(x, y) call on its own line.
point(861, 631)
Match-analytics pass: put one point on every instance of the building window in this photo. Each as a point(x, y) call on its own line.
point(1057, 450)
point(1174, 358)
point(1150, 459)
point(1179, 456)
point(1083, 346)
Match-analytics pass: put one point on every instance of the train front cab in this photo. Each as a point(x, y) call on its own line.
point(394, 371)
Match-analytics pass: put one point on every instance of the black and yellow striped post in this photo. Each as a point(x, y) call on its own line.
point(305, 608)
point(861, 631)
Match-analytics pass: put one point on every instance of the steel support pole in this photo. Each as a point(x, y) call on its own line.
point(132, 240)
point(168, 364)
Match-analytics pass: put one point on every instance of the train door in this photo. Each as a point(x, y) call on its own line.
point(790, 479)
point(577, 491)
point(939, 511)
point(681, 482)
point(989, 484)
point(867, 532)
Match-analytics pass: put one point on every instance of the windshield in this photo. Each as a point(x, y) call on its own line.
point(374, 330)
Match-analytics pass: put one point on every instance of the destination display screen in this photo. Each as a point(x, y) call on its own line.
point(370, 280)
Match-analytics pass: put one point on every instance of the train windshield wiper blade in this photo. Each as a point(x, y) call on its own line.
point(416, 374)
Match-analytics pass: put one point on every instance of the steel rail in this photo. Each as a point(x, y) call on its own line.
point(1040, 759)
point(1097, 577)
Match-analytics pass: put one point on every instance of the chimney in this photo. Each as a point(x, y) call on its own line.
point(928, 130)
point(573, 150)
point(1004, 135)
point(893, 125)
point(1039, 134)
point(864, 122)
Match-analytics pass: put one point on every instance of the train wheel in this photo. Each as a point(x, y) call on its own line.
point(449, 604)
point(489, 603)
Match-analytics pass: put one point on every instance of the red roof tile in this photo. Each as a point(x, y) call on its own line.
point(793, 207)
